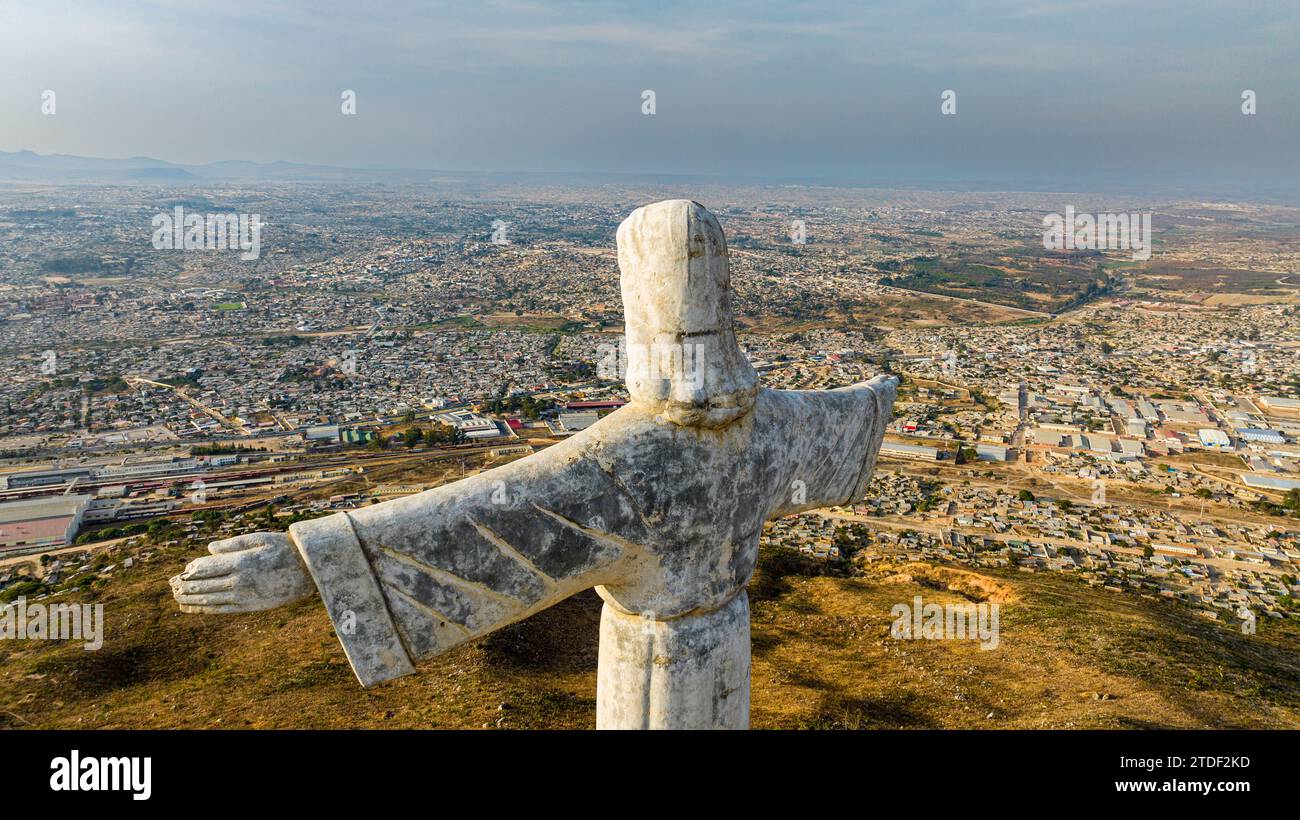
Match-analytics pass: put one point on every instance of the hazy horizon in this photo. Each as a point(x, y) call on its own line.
point(1064, 93)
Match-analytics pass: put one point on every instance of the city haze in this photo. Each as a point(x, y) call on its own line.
point(1060, 96)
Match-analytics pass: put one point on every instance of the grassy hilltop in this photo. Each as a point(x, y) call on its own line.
point(1070, 656)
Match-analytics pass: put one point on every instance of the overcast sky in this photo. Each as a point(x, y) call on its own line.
point(828, 89)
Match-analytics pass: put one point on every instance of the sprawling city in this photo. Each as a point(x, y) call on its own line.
point(325, 444)
point(1132, 426)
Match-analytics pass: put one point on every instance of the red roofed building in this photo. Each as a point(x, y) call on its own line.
point(606, 404)
point(50, 521)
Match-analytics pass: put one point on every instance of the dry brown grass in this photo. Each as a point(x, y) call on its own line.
point(1070, 656)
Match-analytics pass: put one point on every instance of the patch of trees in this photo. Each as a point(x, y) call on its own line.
point(527, 406)
point(72, 264)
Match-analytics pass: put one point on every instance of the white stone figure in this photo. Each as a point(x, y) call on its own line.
point(659, 506)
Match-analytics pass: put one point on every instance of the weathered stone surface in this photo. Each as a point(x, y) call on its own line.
point(677, 297)
point(659, 506)
point(688, 673)
point(247, 573)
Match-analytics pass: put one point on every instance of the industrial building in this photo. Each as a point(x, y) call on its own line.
point(1269, 482)
point(473, 426)
point(50, 521)
point(321, 432)
point(915, 452)
point(566, 424)
point(992, 452)
point(1213, 438)
point(1260, 435)
point(1275, 403)
point(603, 404)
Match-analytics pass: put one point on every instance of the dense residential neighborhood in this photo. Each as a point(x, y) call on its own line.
point(1143, 437)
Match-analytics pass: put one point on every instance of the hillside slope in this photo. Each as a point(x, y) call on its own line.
point(1069, 656)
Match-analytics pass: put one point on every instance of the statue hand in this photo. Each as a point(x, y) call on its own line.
point(247, 573)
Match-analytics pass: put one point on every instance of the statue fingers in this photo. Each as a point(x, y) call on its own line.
point(218, 609)
point(210, 566)
point(204, 585)
point(206, 600)
point(237, 544)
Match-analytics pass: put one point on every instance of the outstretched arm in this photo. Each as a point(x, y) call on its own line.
point(413, 577)
point(831, 439)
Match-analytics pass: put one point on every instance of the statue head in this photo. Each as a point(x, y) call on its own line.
point(682, 356)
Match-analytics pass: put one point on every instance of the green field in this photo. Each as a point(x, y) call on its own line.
point(1048, 284)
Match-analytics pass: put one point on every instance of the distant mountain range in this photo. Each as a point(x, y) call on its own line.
point(28, 165)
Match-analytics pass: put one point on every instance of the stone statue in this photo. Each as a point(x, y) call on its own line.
point(659, 506)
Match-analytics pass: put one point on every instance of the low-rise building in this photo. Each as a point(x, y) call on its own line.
point(49, 521)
